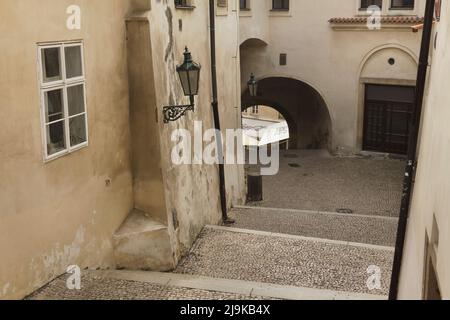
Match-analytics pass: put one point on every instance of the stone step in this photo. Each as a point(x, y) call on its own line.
point(286, 260)
point(143, 285)
point(143, 243)
point(236, 287)
point(377, 230)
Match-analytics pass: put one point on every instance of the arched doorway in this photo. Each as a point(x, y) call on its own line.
point(301, 105)
point(387, 81)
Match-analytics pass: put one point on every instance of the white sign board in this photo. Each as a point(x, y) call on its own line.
point(259, 132)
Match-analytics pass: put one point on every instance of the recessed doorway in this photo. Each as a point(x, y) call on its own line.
point(387, 118)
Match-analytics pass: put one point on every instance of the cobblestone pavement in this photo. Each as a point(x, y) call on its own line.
point(100, 288)
point(308, 180)
point(353, 228)
point(283, 261)
point(321, 182)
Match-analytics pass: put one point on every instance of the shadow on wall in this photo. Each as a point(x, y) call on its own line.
point(301, 105)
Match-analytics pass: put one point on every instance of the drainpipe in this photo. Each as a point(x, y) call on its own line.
point(412, 150)
point(215, 108)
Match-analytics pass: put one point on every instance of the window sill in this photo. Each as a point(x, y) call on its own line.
point(411, 13)
point(280, 13)
point(187, 8)
point(364, 11)
point(65, 153)
point(245, 13)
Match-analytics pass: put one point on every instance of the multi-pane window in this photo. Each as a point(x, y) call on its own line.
point(63, 98)
point(365, 4)
point(280, 4)
point(244, 4)
point(402, 4)
point(182, 3)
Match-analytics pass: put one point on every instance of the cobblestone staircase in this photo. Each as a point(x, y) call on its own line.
point(369, 229)
point(229, 263)
point(274, 253)
point(288, 260)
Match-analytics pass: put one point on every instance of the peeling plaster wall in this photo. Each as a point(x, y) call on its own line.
point(60, 213)
point(432, 183)
point(192, 192)
point(65, 212)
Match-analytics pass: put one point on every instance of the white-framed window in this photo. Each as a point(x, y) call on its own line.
point(244, 5)
point(63, 98)
point(389, 7)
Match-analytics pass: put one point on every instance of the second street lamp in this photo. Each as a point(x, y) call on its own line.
point(189, 73)
point(253, 86)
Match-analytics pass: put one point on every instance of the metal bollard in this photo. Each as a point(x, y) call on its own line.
point(255, 187)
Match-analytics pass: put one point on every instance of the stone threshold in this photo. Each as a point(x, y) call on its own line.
point(247, 288)
point(294, 237)
point(316, 212)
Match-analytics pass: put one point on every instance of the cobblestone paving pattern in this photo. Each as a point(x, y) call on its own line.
point(324, 183)
point(277, 260)
point(99, 288)
point(335, 227)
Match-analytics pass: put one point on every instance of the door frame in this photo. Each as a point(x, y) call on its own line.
point(362, 98)
point(388, 109)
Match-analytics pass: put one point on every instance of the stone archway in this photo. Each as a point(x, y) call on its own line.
point(301, 105)
point(290, 121)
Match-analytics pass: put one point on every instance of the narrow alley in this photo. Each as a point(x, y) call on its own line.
point(300, 242)
point(224, 150)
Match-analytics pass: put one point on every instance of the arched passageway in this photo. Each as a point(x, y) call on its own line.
point(268, 123)
point(283, 112)
point(301, 105)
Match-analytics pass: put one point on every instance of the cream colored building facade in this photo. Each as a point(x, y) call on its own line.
point(114, 196)
point(314, 61)
point(262, 112)
point(425, 269)
point(115, 199)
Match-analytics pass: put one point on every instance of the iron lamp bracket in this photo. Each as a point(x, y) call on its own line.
point(173, 113)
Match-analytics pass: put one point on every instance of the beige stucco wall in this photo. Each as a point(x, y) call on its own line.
point(148, 185)
point(62, 212)
point(65, 212)
point(328, 60)
point(192, 191)
point(432, 186)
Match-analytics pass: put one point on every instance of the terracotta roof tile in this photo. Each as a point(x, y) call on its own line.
point(385, 20)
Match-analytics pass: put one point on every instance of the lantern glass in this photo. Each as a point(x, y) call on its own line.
point(194, 78)
point(189, 73)
point(184, 78)
point(254, 90)
point(253, 86)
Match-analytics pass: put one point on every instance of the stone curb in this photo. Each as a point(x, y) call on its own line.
point(248, 288)
point(315, 212)
point(294, 237)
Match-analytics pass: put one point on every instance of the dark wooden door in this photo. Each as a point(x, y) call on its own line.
point(387, 118)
